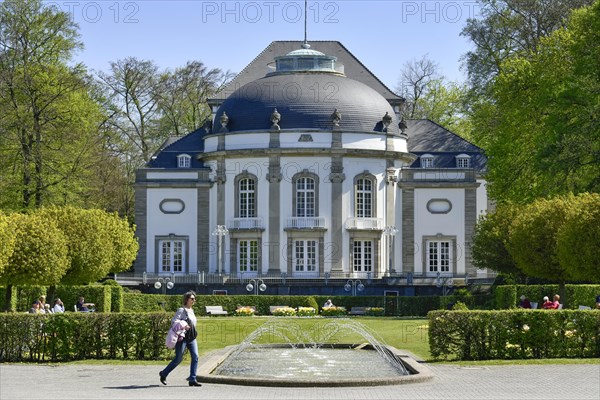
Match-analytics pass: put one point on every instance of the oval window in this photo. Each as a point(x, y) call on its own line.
point(172, 206)
point(439, 206)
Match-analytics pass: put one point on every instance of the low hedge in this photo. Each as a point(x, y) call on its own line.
point(514, 334)
point(78, 336)
point(138, 302)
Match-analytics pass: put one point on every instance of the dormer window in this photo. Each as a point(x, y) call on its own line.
point(463, 161)
point(426, 161)
point(184, 161)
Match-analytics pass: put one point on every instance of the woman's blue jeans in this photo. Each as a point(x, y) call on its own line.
point(179, 349)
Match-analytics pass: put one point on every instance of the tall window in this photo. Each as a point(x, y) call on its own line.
point(248, 255)
point(362, 255)
point(364, 198)
point(438, 256)
point(172, 253)
point(305, 197)
point(305, 255)
point(247, 197)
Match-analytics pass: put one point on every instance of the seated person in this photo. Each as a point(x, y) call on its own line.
point(59, 307)
point(328, 304)
point(42, 301)
point(556, 302)
point(82, 306)
point(547, 303)
point(35, 308)
point(598, 302)
point(524, 303)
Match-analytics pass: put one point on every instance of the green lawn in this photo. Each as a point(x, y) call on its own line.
point(408, 334)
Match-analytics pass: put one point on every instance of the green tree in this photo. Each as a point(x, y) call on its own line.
point(124, 242)
point(577, 241)
point(533, 239)
point(7, 240)
point(541, 129)
point(48, 120)
point(491, 240)
point(40, 256)
point(507, 28)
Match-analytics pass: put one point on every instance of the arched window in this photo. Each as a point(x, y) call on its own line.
point(184, 161)
point(426, 161)
point(463, 161)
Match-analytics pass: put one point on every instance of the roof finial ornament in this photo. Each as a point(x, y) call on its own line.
point(224, 121)
point(336, 117)
point(402, 125)
point(275, 118)
point(387, 120)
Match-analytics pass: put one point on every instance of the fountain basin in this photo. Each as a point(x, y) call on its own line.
point(292, 369)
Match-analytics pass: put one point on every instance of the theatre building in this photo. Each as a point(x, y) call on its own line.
point(310, 181)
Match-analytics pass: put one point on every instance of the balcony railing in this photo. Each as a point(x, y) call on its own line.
point(364, 223)
point(305, 222)
point(246, 223)
point(437, 174)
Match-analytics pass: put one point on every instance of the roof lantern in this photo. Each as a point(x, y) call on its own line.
point(307, 60)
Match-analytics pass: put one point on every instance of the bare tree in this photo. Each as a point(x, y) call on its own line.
point(416, 77)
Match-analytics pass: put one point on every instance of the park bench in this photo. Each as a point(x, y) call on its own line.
point(358, 311)
point(215, 310)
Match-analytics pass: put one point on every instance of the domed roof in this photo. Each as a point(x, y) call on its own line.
point(305, 52)
point(306, 100)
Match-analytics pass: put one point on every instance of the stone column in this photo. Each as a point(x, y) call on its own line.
point(336, 177)
point(274, 235)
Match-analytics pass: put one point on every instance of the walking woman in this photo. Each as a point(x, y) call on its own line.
point(185, 313)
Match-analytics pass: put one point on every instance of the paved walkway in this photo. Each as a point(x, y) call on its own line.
point(104, 382)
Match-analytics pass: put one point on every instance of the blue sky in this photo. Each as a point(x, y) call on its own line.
point(229, 34)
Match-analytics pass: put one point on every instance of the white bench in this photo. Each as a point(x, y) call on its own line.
point(215, 310)
point(358, 311)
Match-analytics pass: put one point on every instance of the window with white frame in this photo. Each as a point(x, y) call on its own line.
point(427, 161)
point(247, 198)
point(248, 255)
point(463, 161)
point(172, 255)
point(305, 256)
point(362, 255)
point(184, 161)
point(439, 255)
point(305, 197)
point(363, 198)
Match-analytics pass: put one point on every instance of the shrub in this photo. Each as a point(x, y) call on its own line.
point(306, 312)
point(514, 334)
point(334, 311)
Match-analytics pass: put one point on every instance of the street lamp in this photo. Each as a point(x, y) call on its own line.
point(390, 232)
point(256, 285)
point(220, 231)
point(354, 286)
point(445, 282)
point(164, 283)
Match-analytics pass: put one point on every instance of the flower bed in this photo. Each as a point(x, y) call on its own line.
point(246, 311)
point(374, 311)
point(333, 311)
point(284, 312)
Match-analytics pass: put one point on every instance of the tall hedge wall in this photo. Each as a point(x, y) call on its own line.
point(507, 296)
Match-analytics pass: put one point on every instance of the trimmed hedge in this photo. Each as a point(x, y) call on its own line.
point(79, 336)
point(514, 334)
point(507, 296)
point(138, 302)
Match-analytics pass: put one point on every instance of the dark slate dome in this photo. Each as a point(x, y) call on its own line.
point(306, 100)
